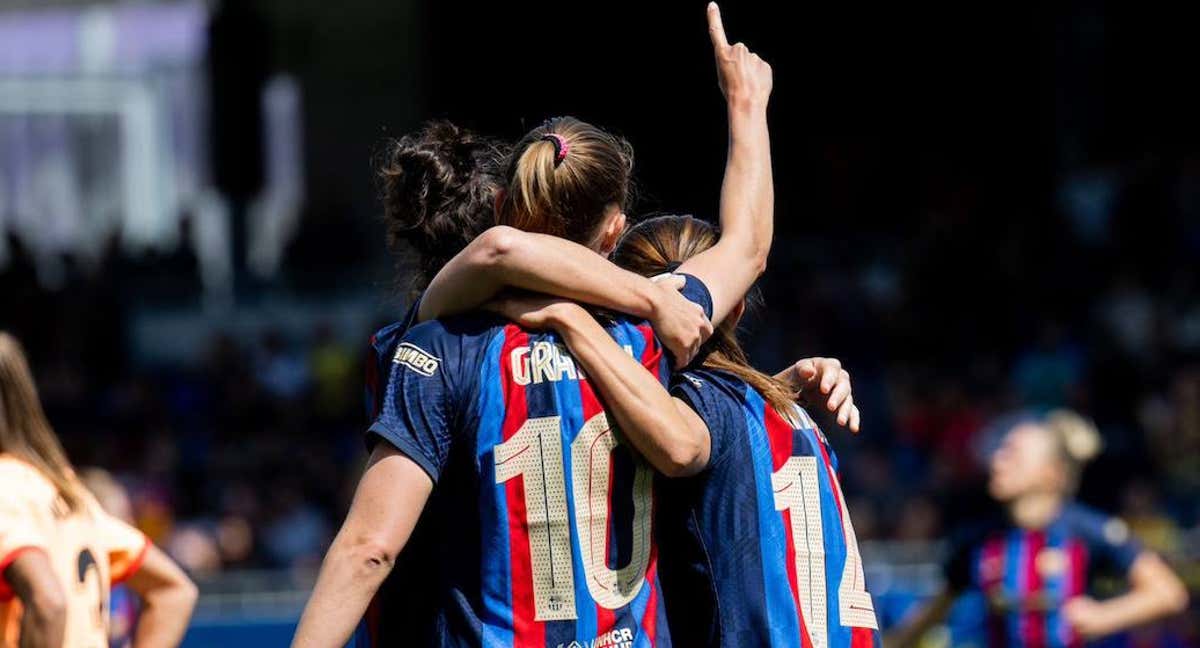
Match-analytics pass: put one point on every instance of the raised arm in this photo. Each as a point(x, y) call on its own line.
point(731, 266)
point(387, 504)
point(504, 257)
point(664, 430)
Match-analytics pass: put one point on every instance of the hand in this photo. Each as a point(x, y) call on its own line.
point(679, 323)
point(817, 380)
point(744, 78)
point(535, 312)
point(1087, 617)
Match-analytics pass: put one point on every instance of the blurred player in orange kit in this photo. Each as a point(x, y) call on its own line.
point(59, 551)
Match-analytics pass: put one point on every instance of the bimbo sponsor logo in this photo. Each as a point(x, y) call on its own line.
point(417, 359)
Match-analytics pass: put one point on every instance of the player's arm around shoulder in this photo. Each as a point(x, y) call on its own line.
point(652, 422)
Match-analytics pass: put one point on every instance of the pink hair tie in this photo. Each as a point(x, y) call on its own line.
point(561, 147)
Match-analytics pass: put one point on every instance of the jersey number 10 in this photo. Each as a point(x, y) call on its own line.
point(535, 452)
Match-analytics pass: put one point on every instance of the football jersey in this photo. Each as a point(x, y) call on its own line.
point(1018, 579)
point(758, 547)
point(89, 551)
point(544, 518)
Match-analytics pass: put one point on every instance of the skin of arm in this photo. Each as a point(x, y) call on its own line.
point(1154, 592)
point(168, 597)
point(664, 430)
point(504, 257)
point(389, 500)
point(930, 614)
point(731, 266)
point(44, 621)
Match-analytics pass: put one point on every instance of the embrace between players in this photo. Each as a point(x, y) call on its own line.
point(552, 475)
point(648, 488)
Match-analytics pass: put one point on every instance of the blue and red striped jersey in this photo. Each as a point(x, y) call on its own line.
point(761, 549)
point(544, 519)
point(1021, 578)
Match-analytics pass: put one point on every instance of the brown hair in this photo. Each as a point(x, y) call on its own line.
point(565, 189)
point(24, 431)
point(658, 245)
point(438, 187)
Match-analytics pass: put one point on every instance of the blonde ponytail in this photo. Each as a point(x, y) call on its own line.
point(562, 178)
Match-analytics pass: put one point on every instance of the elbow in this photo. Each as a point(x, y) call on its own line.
point(684, 460)
point(494, 246)
point(758, 257)
point(1175, 598)
point(370, 558)
point(175, 598)
point(188, 595)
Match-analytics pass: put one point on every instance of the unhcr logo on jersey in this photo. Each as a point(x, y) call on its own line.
point(417, 359)
point(615, 638)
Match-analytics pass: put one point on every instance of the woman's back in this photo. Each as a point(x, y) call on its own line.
point(769, 543)
point(88, 550)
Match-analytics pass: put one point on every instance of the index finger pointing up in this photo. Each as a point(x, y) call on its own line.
point(716, 29)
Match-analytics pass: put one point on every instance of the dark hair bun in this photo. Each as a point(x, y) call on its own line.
point(438, 186)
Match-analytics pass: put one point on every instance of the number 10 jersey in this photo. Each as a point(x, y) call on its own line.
point(544, 517)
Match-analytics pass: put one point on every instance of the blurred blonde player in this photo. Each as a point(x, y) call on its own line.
point(59, 551)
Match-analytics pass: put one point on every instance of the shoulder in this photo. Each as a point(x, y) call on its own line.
point(451, 348)
point(709, 392)
point(709, 379)
point(696, 291)
point(458, 330)
point(19, 480)
point(1096, 526)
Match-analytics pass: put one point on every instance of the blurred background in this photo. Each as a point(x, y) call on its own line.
point(977, 210)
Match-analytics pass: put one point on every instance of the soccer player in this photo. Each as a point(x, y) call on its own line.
point(545, 520)
point(757, 545)
point(1030, 572)
point(59, 551)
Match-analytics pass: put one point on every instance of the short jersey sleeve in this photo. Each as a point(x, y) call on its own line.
point(1109, 540)
point(430, 373)
point(697, 292)
point(720, 411)
point(126, 546)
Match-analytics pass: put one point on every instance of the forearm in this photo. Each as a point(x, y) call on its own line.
point(164, 617)
point(642, 407)
point(747, 192)
point(1139, 607)
point(503, 257)
point(42, 630)
point(731, 267)
point(390, 497)
point(350, 576)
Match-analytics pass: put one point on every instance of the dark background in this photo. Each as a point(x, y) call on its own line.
point(978, 209)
